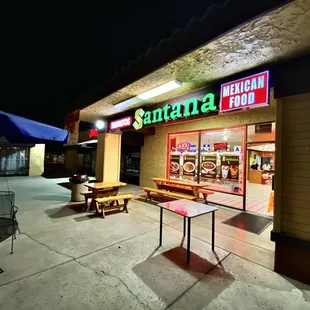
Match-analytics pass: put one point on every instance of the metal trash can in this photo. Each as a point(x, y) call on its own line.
point(77, 186)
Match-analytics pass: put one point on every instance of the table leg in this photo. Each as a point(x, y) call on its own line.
point(213, 224)
point(184, 226)
point(188, 239)
point(161, 227)
point(196, 193)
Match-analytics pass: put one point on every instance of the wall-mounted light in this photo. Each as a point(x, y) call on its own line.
point(100, 124)
point(154, 92)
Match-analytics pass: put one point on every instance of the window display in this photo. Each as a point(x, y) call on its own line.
point(211, 157)
point(183, 156)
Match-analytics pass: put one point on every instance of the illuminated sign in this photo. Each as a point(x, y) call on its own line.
point(183, 147)
point(191, 107)
point(248, 92)
point(121, 123)
point(220, 146)
point(93, 133)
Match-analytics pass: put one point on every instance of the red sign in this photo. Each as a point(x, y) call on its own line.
point(93, 133)
point(248, 92)
point(121, 123)
point(220, 146)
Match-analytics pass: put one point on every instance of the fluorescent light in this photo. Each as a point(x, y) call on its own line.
point(88, 142)
point(165, 88)
point(100, 124)
point(162, 89)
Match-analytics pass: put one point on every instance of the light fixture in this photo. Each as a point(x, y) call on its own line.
point(162, 89)
point(100, 124)
point(154, 92)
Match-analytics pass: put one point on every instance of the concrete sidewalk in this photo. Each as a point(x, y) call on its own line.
point(64, 259)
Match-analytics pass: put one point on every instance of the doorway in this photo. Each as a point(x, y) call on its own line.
point(260, 172)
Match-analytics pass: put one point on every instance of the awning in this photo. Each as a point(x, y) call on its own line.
point(17, 129)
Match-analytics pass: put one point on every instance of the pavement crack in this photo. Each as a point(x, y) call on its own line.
point(98, 272)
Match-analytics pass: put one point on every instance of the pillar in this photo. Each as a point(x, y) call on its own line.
point(36, 160)
point(108, 159)
point(291, 231)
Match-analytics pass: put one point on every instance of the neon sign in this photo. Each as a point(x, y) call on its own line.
point(191, 107)
point(121, 123)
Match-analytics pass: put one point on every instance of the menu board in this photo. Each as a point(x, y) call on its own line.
point(175, 164)
point(189, 165)
point(208, 166)
point(230, 168)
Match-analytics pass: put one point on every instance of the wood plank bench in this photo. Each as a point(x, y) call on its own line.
point(149, 190)
point(205, 192)
point(101, 203)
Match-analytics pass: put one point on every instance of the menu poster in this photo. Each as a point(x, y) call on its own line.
point(189, 165)
point(175, 164)
point(208, 166)
point(230, 168)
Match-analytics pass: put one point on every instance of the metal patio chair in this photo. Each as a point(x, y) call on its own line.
point(8, 222)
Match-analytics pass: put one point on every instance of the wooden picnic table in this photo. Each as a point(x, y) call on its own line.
point(103, 189)
point(179, 186)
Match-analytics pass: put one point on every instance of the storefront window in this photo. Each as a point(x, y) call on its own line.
point(222, 160)
point(14, 161)
point(183, 156)
point(215, 158)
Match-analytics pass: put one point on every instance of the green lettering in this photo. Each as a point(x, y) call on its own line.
point(208, 103)
point(166, 109)
point(138, 124)
point(157, 116)
point(176, 111)
point(191, 107)
point(147, 118)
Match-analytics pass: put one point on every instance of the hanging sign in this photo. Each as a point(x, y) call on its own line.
point(248, 92)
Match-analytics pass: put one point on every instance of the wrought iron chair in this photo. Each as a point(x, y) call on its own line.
point(8, 222)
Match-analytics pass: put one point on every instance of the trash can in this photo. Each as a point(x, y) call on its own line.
point(77, 186)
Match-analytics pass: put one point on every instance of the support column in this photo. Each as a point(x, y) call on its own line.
point(36, 160)
point(108, 159)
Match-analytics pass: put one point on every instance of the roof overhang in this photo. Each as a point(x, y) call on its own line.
point(276, 36)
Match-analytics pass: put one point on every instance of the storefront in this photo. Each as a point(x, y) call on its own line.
point(210, 136)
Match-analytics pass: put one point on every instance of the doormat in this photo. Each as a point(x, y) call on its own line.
point(255, 224)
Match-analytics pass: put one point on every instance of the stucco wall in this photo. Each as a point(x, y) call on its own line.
point(154, 151)
point(36, 160)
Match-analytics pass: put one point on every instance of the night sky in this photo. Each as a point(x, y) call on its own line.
point(60, 52)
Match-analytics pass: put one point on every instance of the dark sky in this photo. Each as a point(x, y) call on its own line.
point(61, 51)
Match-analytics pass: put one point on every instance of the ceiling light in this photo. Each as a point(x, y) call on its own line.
point(100, 124)
point(162, 89)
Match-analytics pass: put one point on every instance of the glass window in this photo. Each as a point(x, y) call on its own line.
point(262, 132)
point(183, 156)
point(14, 161)
point(222, 159)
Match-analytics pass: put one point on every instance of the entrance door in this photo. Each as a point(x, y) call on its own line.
point(260, 172)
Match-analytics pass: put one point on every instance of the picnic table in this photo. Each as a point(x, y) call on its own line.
point(189, 188)
point(101, 190)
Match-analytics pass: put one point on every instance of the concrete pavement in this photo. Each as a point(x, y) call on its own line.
point(64, 259)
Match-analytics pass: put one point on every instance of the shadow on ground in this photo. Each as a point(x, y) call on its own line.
point(60, 198)
point(152, 271)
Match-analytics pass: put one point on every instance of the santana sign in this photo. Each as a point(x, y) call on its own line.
point(121, 123)
point(249, 92)
point(191, 107)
